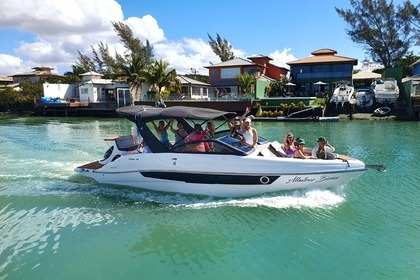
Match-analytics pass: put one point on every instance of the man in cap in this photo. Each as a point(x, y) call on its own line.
point(323, 150)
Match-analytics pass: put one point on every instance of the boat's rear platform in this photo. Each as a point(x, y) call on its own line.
point(91, 165)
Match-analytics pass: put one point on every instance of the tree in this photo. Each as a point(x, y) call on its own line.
point(159, 75)
point(406, 63)
point(245, 81)
point(221, 47)
point(129, 66)
point(387, 31)
point(74, 75)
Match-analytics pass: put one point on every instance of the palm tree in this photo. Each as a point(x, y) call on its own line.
point(133, 73)
point(246, 81)
point(74, 75)
point(160, 76)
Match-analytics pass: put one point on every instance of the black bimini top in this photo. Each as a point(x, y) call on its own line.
point(147, 113)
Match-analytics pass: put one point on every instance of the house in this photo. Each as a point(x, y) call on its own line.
point(193, 89)
point(5, 82)
point(92, 89)
point(324, 65)
point(223, 76)
point(33, 76)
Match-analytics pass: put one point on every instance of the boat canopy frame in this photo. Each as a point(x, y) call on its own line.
point(142, 115)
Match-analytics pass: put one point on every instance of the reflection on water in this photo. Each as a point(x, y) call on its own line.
point(38, 230)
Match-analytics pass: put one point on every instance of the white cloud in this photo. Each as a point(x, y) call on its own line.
point(62, 28)
point(10, 65)
point(187, 54)
point(281, 58)
point(146, 28)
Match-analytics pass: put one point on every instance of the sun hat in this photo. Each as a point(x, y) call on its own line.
point(236, 123)
point(247, 120)
point(321, 139)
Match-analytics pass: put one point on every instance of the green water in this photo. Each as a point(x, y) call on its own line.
point(55, 224)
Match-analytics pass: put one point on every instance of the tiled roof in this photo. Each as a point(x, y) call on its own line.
point(91, 73)
point(233, 62)
point(323, 56)
point(324, 52)
point(260, 56)
point(365, 75)
point(186, 80)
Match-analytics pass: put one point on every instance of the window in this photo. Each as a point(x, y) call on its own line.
point(213, 74)
point(228, 73)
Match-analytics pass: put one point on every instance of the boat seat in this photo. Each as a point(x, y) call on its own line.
point(126, 143)
point(266, 153)
point(276, 149)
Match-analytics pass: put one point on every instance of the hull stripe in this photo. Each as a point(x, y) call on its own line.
point(233, 179)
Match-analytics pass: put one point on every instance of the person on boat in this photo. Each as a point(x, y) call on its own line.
point(197, 135)
point(235, 129)
point(210, 129)
point(248, 132)
point(145, 147)
point(162, 132)
point(300, 150)
point(289, 144)
point(323, 150)
point(180, 132)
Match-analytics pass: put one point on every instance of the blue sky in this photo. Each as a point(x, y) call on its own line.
point(50, 32)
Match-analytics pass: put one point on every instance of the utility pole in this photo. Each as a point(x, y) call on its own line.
point(194, 72)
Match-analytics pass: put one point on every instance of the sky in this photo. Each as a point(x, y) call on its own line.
point(51, 32)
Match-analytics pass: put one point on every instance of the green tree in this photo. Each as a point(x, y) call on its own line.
point(386, 31)
point(277, 88)
point(221, 47)
point(159, 75)
point(406, 63)
point(246, 81)
point(74, 75)
point(130, 66)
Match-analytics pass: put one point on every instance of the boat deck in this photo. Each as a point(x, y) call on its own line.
point(92, 165)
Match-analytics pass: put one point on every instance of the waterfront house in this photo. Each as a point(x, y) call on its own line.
point(6, 82)
point(223, 76)
point(34, 76)
point(323, 66)
point(193, 89)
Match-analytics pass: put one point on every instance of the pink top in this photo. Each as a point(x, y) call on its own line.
point(193, 136)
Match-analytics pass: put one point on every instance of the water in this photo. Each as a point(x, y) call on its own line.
point(55, 224)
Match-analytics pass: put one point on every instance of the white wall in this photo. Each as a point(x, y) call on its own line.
point(63, 91)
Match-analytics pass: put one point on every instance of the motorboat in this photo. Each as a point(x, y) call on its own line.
point(227, 167)
point(342, 93)
point(386, 90)
point(364, 98)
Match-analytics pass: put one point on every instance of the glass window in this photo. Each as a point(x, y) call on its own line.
point(249, 70)
point(227, 73)
point(213, 74)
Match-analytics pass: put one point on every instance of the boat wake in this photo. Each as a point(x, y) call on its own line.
point(300, 199)
point(296, 200)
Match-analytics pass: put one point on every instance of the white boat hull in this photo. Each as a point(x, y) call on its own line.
point(252, 175)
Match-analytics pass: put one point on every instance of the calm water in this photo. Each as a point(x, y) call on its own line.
point(57, 225)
